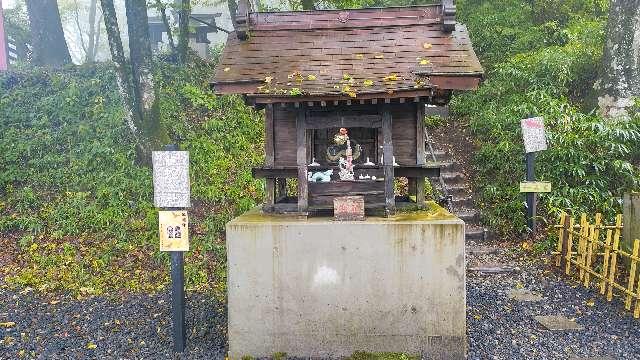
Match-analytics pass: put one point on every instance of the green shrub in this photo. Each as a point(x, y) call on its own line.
point(589, 160)
point(69, 187)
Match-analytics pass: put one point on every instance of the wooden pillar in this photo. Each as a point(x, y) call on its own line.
point(420, 151)
point(301, 141)
point(387, 151)
point(269, 158)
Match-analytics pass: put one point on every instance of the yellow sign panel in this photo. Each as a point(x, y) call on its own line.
point(535, 187)
point(174, 230)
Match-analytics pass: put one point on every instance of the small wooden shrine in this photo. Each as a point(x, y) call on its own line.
point(344, 94)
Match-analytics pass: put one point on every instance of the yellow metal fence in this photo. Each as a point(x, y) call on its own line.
point(592, 253)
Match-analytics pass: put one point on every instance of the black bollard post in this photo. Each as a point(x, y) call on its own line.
point(177, 300)
point(177, 288)
point(531, 196)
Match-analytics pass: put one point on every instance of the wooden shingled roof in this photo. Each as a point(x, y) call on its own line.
point(365, 53)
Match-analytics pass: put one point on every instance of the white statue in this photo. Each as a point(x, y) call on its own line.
point(346, 170)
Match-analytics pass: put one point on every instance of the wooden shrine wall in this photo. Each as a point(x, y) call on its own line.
point(404, 132)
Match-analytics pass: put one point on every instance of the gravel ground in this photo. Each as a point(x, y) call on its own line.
point(133, 327)
point(138, 326)
point(502, 328)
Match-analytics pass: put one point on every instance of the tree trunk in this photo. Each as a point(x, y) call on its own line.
point(162, 9)
point(183, 28)
point(91, 47)
point(620, 78)
point(123, 73)
point(308, 5)
point(146, 102)
point(233, 6)
point(47, 36)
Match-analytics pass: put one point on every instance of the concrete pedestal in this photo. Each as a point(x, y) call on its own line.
point(324, 289)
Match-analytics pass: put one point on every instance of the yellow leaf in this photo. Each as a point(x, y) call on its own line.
point(367, 82)
point(424, 62)
point(427, 45)
point(311, 77)
point(226, 69)
point(91, 345)
point(477, 317)
point(346, 76)
point(378, 56)
point(392, 77)
point(7, 324)
point(53, 302)
point(590, 302)
point(519, 285)
point(360, 56)
point(268, 79)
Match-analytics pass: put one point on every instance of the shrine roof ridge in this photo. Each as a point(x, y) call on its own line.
point(348, 53)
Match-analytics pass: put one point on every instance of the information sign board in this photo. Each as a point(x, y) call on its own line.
point(174, 230)
point(171, 187)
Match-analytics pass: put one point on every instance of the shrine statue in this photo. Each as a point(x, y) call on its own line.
point(339, 148)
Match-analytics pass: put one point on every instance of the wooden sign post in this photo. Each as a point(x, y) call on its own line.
point(172, 194)
point(534, 140)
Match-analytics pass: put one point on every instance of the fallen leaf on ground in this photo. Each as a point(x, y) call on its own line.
point(91, 345)
point(590, 302)
point(7, 324)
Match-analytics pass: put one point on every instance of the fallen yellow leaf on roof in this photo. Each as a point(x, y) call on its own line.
point(392, 77)
point(424, 62)
point(226, 69)
point(367, 82)
point(427, 45)
point(268, 79)
point(311, 77)
point(379, 56)
point(360, 56)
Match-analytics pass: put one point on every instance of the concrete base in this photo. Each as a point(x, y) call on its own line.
point(324, 289)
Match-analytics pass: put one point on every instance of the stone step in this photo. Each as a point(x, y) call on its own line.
point(449, 167)
point(453, 178)
point(474, 233)
point(467, 215)
point(458, 190)
point(460, 202)
point(441, 156)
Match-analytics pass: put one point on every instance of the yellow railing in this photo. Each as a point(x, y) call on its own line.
point(594, 251)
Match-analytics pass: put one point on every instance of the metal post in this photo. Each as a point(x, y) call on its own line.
point(531, 197)
point(177, 288)
point(177, 300)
